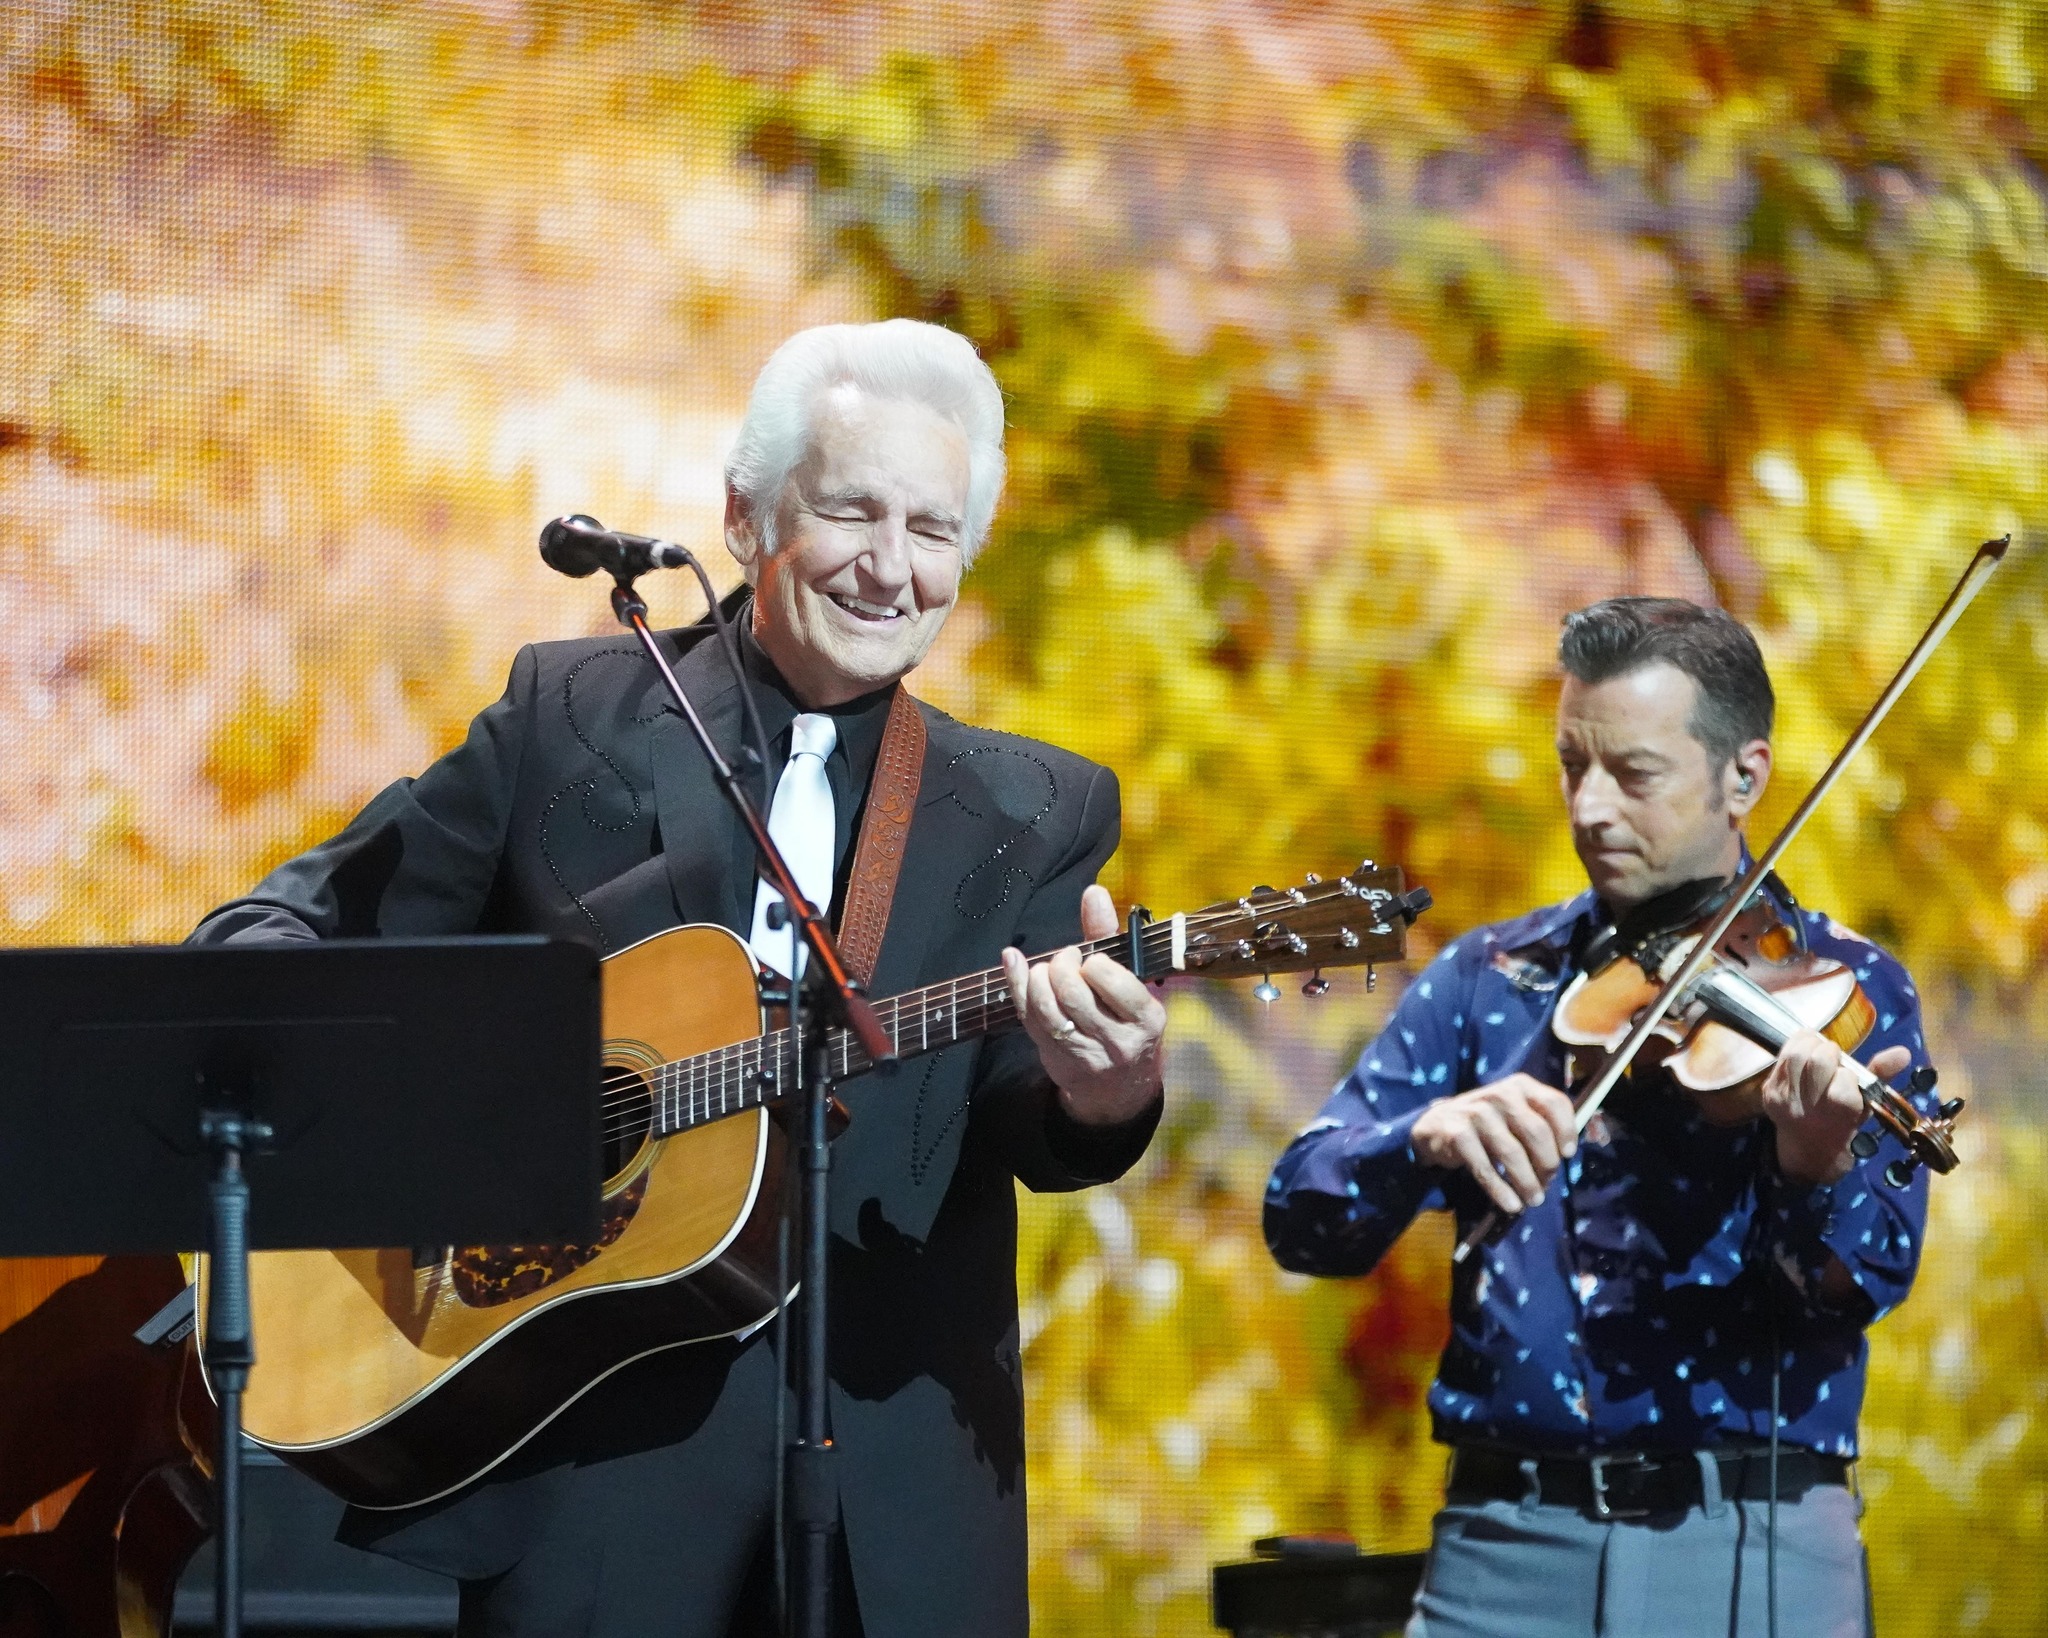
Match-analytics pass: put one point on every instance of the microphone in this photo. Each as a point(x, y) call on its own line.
point(577, 545)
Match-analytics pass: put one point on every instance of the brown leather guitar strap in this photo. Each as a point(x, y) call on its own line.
point(884, 833)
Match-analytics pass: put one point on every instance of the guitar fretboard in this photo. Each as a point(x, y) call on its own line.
point(729, 1080)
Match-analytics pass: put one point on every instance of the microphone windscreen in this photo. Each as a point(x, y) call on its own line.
point(566, 546)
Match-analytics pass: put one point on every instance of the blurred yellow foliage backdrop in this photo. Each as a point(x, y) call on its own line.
point(1346, 348)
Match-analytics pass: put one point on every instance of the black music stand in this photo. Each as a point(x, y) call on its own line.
point(348, 1093)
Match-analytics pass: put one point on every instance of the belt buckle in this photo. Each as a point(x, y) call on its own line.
point(1597, 1467)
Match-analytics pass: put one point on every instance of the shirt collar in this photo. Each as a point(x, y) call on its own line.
point(1558, 926)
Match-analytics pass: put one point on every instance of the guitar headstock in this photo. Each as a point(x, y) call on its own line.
point(1355, 920)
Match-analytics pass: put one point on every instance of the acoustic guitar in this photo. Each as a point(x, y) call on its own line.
point(394, 1377)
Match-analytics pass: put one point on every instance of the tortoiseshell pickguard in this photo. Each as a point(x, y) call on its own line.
point(487, 1276)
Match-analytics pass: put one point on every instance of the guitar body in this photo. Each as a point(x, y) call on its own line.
point(394, 1377)
point(103, 1491)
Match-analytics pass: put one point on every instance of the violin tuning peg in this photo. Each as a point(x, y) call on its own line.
point(1863, 1145)
point(1318, 985)
point(1922, 1079)
point(1899, 1174)
point(1952, 1108)
point(1266, 990)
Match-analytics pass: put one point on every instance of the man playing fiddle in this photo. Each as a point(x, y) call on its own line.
point(1669, 1281)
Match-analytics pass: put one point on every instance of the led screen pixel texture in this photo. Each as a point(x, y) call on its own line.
point(1346, 348)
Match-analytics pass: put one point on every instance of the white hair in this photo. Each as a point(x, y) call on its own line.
point(896, 358)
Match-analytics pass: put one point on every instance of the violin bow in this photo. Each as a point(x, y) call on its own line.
point(1588, 1103)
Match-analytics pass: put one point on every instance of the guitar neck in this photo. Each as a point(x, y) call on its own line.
point(732, 1079)
point(1353, 921)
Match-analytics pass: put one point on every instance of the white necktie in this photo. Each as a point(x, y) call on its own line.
point(802, 824)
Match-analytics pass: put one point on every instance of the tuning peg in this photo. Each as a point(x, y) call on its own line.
point(1372, 978)
point(1266, 990)
point(1312, 880)
point(1366, 867)
point(1899, 1174)
point(1318, 985)
point(1922, 1080)
point(1952, 1108)
point(1863, 1145)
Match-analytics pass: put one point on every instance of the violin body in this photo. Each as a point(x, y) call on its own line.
point(104, 1487)
point(1718, 1066)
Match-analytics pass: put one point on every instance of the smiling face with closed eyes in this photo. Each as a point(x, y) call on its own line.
point(869, 533)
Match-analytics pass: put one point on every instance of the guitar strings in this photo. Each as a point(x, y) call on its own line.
point(634, 1107)
point(630, 1111)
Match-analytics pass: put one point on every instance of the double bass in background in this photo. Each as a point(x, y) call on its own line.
point(105, 1485)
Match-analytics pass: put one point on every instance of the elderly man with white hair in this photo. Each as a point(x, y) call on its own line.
point(864, 480)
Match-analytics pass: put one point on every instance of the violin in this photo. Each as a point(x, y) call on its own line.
point(1725, 1029)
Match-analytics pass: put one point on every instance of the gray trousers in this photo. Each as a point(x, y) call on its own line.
point(1504, 1569)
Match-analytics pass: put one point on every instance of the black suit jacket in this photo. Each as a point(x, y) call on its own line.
point(580, 805)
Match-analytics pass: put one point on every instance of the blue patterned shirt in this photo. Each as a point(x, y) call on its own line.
point(1635, 1308)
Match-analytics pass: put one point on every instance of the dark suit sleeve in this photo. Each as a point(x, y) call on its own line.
point(1015, 1102)
point(419, 860)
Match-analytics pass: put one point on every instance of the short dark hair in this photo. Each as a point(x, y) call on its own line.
point(1623, 634)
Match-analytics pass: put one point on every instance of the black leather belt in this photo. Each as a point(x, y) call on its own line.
point(1636, 1484)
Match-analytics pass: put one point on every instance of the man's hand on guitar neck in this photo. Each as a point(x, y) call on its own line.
point(1097, 1027)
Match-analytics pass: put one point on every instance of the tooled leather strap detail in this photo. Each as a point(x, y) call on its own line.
point(884, 833)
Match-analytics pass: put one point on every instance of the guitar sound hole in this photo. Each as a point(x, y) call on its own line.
point(628, 1113)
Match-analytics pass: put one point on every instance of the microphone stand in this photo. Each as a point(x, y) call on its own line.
point(828, 994)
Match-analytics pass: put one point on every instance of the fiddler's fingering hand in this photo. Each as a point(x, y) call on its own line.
point(1810, 1095)
point(1099, 1029)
